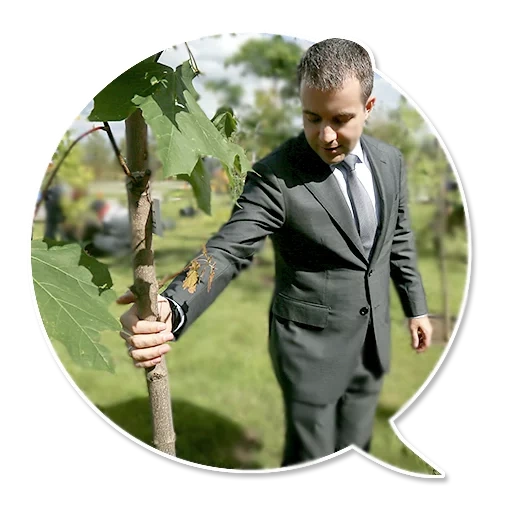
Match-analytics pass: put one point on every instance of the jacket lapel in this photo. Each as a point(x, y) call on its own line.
point(318, 178)
point(384, 183)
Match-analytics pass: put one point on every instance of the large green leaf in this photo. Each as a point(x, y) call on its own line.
point(73, 294)
point(200, 181)
point(114, 102)
point(225, 122)
point(184, 75)
point(183, 132)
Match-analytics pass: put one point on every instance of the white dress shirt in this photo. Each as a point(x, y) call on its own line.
point(364, 175)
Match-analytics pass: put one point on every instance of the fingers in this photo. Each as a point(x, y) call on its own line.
point(142, 326)
point(423, 340)
point(127, 298)
point(130, 317)
point(132, 323)
point(164, 310)
point(147, 350)
point(148, 364)
point(426, 338)
point(146, 340)
point(421, 344)
point(145, 358)
point(415, 340)
point(421, 333)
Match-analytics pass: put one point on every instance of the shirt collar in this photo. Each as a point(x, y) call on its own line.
point(358, 151)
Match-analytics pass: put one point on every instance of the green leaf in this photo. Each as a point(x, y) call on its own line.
point(73, 294)
point(200, 181)
point(100, 275)
point(183, 132)
point(114, 102)
point(225, 122)
point(186, 74)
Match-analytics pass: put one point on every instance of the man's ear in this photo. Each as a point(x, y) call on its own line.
point(370, 103)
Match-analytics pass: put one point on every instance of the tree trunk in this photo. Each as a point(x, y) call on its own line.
point(145, 285)
point(442, 257)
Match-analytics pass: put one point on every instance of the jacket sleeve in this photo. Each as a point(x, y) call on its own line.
point(259, 212)
point(404, 266)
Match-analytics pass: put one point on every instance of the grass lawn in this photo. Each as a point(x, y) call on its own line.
point(226, 402)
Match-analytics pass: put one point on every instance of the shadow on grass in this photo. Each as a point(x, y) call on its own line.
point(384, 412)
point(202, 436)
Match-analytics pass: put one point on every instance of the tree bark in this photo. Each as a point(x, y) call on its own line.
point(442, 257)
point(145, 285)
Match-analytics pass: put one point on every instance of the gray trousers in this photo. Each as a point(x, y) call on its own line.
point(315, 431)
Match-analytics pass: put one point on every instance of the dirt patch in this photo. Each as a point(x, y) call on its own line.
point(439, 337)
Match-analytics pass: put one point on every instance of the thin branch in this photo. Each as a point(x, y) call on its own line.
point(116, 150)
point(57, 167)
point(168, 277)
point(165, 279)
point(192, 61)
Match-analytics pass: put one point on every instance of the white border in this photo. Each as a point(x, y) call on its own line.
point(404, 407)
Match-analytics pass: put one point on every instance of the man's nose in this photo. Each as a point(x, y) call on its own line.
point(327, 134)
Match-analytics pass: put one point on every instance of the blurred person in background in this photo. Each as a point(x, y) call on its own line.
point(110, 235)
point(54, 213)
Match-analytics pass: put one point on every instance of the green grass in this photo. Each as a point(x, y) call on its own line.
point(226, 402)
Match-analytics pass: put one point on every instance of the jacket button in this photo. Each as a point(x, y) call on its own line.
point(370, 273)
point(363, 311)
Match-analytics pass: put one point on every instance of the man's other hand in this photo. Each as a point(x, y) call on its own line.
point(146, 341)
point(421, 333)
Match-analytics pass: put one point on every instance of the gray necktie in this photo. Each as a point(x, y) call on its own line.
point(362, 206)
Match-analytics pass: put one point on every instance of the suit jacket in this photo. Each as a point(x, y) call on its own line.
point(327, 294)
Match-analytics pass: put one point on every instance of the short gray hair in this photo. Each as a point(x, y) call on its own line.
point(326, 65)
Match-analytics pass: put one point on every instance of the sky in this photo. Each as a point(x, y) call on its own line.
point(210, 54)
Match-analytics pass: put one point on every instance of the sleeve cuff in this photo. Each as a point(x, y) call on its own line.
point(178, 316)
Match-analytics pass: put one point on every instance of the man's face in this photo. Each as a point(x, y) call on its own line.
point(334, 120)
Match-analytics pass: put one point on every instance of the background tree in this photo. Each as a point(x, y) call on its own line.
point(271, 117)
point(97, 154)
point(431, 180)
point(274, 58)
point(73, 180)
point(152, 95)
point(231, 94)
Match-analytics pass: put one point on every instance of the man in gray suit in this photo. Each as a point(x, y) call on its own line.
point(334, 203)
